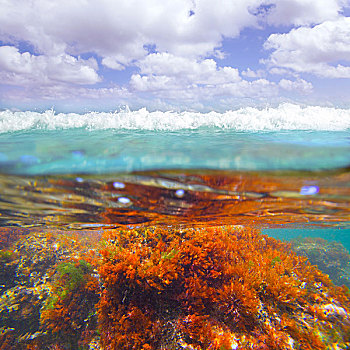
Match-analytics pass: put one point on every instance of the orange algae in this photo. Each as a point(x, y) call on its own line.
point(69, 312)
point(215, 288)
point(71, 298)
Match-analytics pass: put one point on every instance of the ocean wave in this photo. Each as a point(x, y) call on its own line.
point(284, 117)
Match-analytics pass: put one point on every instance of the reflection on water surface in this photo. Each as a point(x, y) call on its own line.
point(260, 199)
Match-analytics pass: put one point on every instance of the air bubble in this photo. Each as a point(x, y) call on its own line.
point(117, 184)
point(309, 190)
point(124, 200)
point(179, 193)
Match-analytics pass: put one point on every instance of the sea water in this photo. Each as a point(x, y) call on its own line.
point(284, 170)
point(303, 151)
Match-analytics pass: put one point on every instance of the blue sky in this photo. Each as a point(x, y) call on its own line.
point(173, 54)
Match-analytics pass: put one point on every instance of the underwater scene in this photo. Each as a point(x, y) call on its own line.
point(175, 230)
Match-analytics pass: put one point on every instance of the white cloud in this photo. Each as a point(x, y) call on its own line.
point(62, 92)
point(189, 69)
point(318, 50)
point(162, 76)
point(118, 31)
point(282, 71)
point(27, 69)
point(175, 77)
point(302, 12)
point(254, 74)
point(164, 71)
point(112, 62)
point(299, 85)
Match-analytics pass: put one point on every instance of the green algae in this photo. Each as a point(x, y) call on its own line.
point(74, 277)
point(6, 256)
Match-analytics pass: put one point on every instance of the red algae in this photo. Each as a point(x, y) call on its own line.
point(214, 288)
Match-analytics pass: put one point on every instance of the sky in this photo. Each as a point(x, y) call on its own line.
point(203, 55)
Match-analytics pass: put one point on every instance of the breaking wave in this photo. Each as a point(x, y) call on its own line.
point(248, 119)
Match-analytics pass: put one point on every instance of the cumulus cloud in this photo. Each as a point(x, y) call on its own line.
point(176, 77)
point(300, 12)
point(25, 68)
point(161, 75)
point(297, 85)
point(192, 70)
point(164, 71)
point(318, 50)
point(120, 31)
point(254, 74)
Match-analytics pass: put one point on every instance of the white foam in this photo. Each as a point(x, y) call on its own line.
point(283, 117)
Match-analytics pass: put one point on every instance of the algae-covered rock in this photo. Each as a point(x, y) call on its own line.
point(8, 266)
point(20, 309)
point(31, 267)
point(69, 313)
point(215, 288)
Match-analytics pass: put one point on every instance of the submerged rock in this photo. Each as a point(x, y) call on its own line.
point(30, 270)
point(331, 257)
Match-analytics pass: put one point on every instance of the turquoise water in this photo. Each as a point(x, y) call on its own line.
point(339, 234)
point(103, 151)
point(286, 137)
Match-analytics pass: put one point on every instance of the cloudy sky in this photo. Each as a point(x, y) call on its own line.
point(173, 54)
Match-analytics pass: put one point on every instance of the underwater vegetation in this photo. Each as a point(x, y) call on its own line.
point(68, 312)
point(25, 268)
point(331, 257)
point(215, 288)
point(165, 288)
point(45, 279)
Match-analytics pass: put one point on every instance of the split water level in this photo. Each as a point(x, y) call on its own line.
point(165, 230)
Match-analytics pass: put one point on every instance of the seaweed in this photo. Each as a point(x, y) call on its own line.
point(213, 288)
point(69, 312)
